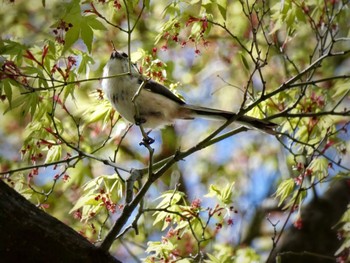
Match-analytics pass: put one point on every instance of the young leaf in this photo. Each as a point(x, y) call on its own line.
point(71, 37)
point(7, 90)
point(244, 61)
point(87, 35)
point(54, 154)
point(212, 259)
point(284, 190)
point(224, 195)
point(170, 198)
point(89, 199)
point(222, 6)
point(94, 23)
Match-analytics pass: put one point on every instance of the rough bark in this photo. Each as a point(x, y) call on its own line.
point(28, 234)
point(317, 239)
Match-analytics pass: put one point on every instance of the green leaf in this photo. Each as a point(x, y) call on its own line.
point(224, 195)
point(344, 247)
point(246, 255)
point(89, 199)
point(319, 167)
point(20, 187)
point(7, 90)
point(88, 23)
point(184, 260)
point(94, 23)
point(54, 154)
point(94, 184)
point(70, 88)
point(99, 112)
point(166, 27)
point(86, 60)
point(8, 47)
point(116, 187)
point(170, 198)
point(87, 35)
point(146, 3)
point(182, 224)
point(161, 215)
point(213, 191)
point(278, 25)
point(284, 190)
point(137, 55)
point(212, 259)
point(340, 91)
point(83, 26)
point(160, 249)
point(222, 6)
point(244, 61)
point(72, 14)
point(71, 37)
point(296, 199)
point(20, 100)
point(73, 10)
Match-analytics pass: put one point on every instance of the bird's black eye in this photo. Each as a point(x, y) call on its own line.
point(124, 55)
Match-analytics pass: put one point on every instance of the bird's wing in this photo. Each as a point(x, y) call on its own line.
point(162, 90)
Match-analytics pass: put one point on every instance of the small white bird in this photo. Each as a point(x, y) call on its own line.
point(156, 106)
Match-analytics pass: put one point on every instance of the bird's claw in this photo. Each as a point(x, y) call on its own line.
point(147, 140)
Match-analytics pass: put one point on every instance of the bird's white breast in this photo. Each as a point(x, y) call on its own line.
point(154, 110)
point(121, 89)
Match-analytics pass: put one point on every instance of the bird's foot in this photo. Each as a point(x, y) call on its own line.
point(147, 140)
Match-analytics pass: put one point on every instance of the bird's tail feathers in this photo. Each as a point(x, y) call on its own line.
point(208, 113)
point(248, 121)
point(262, 125)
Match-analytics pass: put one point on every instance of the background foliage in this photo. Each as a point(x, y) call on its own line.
point(65, 148)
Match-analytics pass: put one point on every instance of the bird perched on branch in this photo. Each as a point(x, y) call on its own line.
point(149, 103)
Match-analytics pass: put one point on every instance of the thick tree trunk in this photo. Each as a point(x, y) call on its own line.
point(28, 234)
point(316, 241)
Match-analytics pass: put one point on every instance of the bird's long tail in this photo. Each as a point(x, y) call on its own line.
point(250, 122)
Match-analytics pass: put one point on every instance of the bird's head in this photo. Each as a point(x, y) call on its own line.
point(119, 63)
point(119, 55)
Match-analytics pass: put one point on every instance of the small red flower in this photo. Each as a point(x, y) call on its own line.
point(218, 226)
point(117, 5)
point(45, 206)
point(175, 38)
point(78, 215)
point(298, 180)
point(230, 222)
point(168, 219)
point(298, 224)
point(191, 20)
point(196, 203)
point(154, 51)
point(65, 178)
